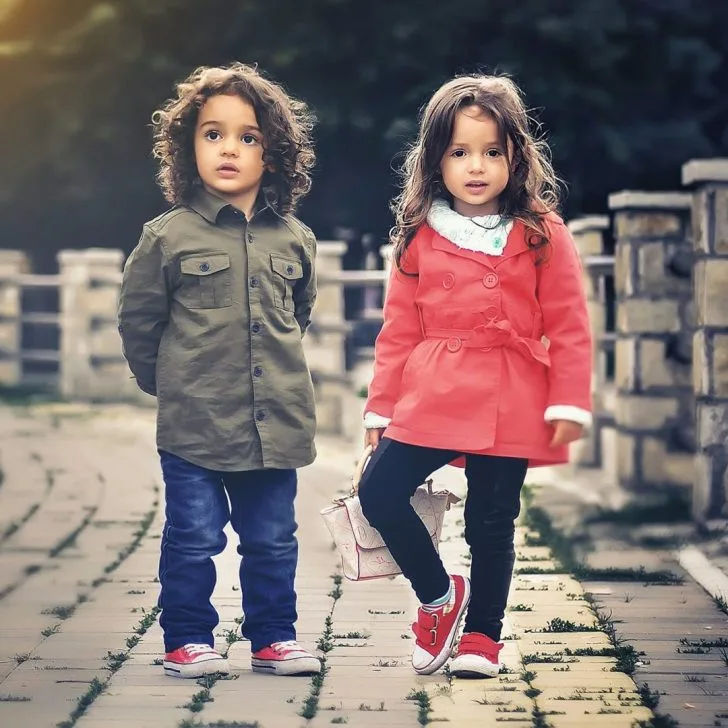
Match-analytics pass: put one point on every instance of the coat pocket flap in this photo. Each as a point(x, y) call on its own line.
point(287, 267)
point(205, 264)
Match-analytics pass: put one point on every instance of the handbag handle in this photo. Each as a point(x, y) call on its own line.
point(359, 469)
point(361, 465)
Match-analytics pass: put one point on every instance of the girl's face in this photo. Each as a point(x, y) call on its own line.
point(229, 150)
point(475, 165)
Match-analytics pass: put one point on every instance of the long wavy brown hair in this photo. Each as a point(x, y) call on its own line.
point(286, 124)
point(533, 188)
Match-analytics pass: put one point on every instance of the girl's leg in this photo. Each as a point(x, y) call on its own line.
point(389, 481)
point(491, 508)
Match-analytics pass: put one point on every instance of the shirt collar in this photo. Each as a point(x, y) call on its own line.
point(484, 233)
point(210, 206)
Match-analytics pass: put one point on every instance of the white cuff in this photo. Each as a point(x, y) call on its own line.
point(568, 412)
point(373, 421)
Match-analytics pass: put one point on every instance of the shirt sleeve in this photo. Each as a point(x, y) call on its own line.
point(400, 334)
point(562, 298)
point(144, 305)
point(305, 291)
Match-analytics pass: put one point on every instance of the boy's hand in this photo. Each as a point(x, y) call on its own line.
point(372, 436)
point(565, 432)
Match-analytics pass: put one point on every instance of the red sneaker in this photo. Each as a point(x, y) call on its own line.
point(285, 658)
point(436, 630)
point(477, 656)
point(194, 660)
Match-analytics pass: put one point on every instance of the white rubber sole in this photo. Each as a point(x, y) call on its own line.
point(198, 669)
point(444, 655)
point(294, 666)
point(472, 666)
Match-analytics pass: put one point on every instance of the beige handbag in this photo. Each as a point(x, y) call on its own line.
point(363, 552)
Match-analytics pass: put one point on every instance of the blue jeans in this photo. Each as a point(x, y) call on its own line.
point(261, 512)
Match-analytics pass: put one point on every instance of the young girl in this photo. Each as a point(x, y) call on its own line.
point(215, 299)
point(485, 353)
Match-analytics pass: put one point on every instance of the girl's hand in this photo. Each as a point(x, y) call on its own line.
point(565, 432)
point(372, 436)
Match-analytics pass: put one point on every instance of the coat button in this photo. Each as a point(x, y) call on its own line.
point(204, 267)
point(491, 312)
point(250, 237)
point(255, 328)
point(289, 270)
point(253, 282)
point(260, 415)
point(490, 281)
point(454, 344)
point(448, 281)
point(258, 371)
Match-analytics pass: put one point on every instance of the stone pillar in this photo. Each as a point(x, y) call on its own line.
point(326, 338)
point(655, 402)
point(589, 235)
point(13, 263)
point(92, 366)
point(710, 343)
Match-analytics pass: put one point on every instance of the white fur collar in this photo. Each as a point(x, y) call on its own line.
point(483, 234)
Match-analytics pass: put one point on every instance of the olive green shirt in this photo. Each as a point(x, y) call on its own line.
point(211, 315)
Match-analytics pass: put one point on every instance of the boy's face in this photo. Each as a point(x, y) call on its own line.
point(229, 150)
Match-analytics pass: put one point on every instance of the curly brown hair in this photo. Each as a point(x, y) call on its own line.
point(533, 188)
point(286, 124)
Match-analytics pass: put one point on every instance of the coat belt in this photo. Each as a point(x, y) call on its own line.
point(487, 336)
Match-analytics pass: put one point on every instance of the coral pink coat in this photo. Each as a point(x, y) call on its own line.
point(461, 363)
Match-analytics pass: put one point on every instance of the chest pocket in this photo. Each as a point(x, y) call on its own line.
point(206, 281)
point(286, 271)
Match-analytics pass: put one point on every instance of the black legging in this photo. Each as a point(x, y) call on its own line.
point(492, 506)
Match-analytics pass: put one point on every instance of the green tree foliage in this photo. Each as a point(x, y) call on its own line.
point(627, 90)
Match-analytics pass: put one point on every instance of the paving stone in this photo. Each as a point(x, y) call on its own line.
point(117, 442)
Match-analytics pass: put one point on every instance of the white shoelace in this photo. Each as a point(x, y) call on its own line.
point(287, 645)
point(196, 649)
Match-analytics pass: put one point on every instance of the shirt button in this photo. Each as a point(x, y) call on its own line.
point(260, 415)
point(250, 237)
point(204, 267)
point(490, 280)
point(255, 328)
point(253, 282)
point(289, 270)
point(258, 371)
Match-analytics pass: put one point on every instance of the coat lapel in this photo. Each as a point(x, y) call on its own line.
point(515, 245)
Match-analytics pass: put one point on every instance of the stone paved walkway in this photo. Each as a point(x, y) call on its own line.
point(678, 630)
point(80, 518)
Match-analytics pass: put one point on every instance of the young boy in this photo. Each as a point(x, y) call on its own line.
point(215, 300)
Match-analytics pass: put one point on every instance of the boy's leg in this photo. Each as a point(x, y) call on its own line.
point(393, 474)
point(196, 513)
point(491, 509)
point(263, 516)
